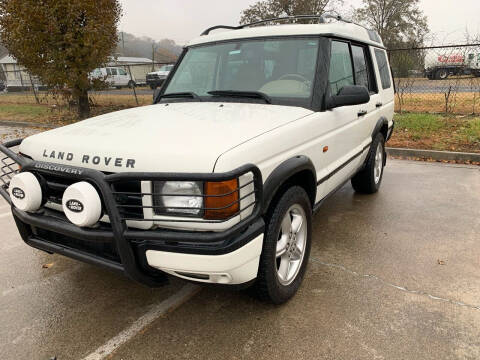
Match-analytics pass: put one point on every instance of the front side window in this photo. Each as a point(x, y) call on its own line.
point(383, 68)
point(122, 72)
point(283, 68)
point(341, 69)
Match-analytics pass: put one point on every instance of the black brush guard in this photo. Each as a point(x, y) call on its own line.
point(41, 230)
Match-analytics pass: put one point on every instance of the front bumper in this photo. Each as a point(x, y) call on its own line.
point(143, 255)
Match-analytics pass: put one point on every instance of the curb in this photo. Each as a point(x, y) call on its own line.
point(26, 124)
point(433, 154)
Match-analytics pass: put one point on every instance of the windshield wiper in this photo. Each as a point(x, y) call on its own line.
point(242, 94)
point(180, 95)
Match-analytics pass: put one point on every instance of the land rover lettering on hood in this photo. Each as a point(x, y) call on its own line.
point(217, 180)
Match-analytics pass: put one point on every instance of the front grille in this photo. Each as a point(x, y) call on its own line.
point(128, 196)
point(8, 169)
point(56, 186)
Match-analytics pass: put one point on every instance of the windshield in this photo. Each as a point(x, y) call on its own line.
point(277, 68)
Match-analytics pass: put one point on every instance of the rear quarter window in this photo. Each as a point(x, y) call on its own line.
point(383, 68)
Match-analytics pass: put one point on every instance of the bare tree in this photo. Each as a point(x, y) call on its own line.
point(268, 9)
point(399, 22)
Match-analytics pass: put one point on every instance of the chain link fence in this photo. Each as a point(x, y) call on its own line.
point(120, 79)
point(438, 79)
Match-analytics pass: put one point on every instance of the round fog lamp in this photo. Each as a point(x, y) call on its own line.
point(26, 192)
point(81, 204)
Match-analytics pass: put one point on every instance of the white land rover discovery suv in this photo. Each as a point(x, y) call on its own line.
point(216, 181)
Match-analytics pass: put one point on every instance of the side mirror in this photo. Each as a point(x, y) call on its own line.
point(156, 93)
point(349, 95)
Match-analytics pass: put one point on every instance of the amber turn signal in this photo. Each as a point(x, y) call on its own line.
point(221, 199)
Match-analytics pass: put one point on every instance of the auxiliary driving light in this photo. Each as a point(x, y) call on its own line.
point(81, 204)
point(26, 192)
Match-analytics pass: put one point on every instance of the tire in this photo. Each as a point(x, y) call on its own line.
point(368, 180)
point(131, 84)
point(153, 87)
point(283, 217)
point(118, 87)
point(441, 74)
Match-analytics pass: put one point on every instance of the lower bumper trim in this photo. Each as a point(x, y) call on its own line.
point(74, 254)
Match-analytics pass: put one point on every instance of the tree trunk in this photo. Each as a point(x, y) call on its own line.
point(83, 104)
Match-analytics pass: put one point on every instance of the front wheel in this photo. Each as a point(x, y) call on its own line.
point(368, 181)
point(286, 247)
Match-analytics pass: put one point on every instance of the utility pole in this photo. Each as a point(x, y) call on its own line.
point(123, 44)
point(153, 56)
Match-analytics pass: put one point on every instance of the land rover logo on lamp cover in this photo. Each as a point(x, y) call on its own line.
point(18, 193)
point(74, 206)
point(81, 204)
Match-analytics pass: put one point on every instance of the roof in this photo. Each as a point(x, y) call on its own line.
point(341, 29)
point(7, 59)
point(134, 60)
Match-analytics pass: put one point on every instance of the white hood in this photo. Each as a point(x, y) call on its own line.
point(179, 137)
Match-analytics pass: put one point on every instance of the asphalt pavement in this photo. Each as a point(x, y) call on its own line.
point(392, 276)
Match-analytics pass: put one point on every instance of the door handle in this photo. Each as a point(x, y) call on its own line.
point(379, 104)
point(362, 113)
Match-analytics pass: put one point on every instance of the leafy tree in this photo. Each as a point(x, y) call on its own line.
point(400, 23)
point(61, 41)
point(268, 9)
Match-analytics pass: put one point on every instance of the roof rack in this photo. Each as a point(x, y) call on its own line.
point(321, 20)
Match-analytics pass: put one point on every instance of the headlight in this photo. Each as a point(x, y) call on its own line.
point(211, 200)
point(183, 198)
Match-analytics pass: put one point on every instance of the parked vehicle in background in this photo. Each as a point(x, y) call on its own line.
point(453, 65)
point(218, 180)
point(157, 78)
point(113, 76)
point(2, 86)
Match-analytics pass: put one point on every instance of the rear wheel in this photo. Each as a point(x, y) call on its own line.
point(131, 84)
point(441, 74)
point(368, 181)
point(286, 247)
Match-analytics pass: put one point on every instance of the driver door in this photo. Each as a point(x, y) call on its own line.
point(344, 138)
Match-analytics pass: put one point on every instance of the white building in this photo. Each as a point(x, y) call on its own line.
point(17, 78)
point(14, 75)
point(139, 67)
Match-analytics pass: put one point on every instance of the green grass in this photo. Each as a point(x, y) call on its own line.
point(437, 132)
point(419, 125)
point(471, 130)
point(22, 111)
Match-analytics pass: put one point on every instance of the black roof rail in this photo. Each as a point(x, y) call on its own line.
point(321, 20)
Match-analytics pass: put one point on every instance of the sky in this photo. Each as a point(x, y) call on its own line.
point(182, 20)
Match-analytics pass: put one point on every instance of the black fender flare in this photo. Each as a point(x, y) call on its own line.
point(383, 121)
point(282, 173)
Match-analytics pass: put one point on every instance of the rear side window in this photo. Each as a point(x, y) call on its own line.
point(383, 68)
point(341, 69)
point(362, 73)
